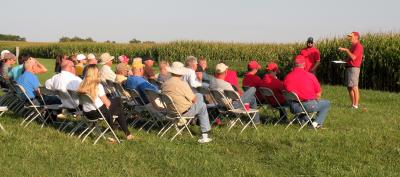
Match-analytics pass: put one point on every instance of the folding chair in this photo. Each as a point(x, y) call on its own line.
point(266, 92)
point(84, 98)
point(36, 111)
point(292, 97)
point(13, 99)
point(245, 88)
point(174, 116)
point(241, 111)
point(210, 102)
point(157, 110)
point(74, 112)
point(3, 109)
point(137, 103)
point(222, 103)
point(50, 109)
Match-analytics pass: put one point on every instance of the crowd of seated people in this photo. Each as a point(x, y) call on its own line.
point(81, 73)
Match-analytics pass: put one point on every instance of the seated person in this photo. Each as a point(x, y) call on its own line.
point(29, 81)
point(272, 82)
point(122, 73)
point(16, 71)
point(308, 89)
point(251, 79)
point(81, 64)
point(91, 59)
point(190, 76)
point(164, 74)
point(91, 86)
point(203, 65)
point(218, 83)
point(6, 65)
point(199, 76)
point(148, 68)
point(138, 82)
point(106, 73)
point(186, 102)
point(232, 78)
point(64, 81)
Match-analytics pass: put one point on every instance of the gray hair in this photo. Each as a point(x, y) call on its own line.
point(191, 60)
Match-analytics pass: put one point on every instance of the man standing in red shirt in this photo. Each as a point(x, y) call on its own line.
point(308, 89)
point(312, 55)
point(354, 61)
point(251, 79)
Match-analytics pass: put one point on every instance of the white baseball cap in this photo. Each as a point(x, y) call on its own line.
point(220, 68)
point(80, 57)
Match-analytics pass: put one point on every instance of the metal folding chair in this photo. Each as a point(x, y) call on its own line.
point(156, 109)
point(49, 108)
point(292, 97)
point(241, 111)
point(174, 116)
point(138, 107)
point(84, 98)
point(266, 92)
point(36, 111)
point(245, 88)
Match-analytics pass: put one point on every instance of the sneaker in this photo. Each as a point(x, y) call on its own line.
point(204, 140)
point(354, 107)
point(314, 124)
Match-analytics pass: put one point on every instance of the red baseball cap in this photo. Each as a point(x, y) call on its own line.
point(354, 33)
point(272, 67)
point(253, 65)
point(300, 59)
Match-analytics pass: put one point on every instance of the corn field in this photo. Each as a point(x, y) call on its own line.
point(380, 69)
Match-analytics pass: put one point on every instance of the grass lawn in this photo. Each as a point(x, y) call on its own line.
point(354, 143)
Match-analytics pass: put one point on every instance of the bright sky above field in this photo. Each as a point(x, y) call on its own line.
point(208, 20)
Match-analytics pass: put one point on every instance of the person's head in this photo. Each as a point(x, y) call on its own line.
point(272, 68)
point(68, 66)
point(191, 62)
point(60, 58)
point(9, 59)
point(23, 58)
point(72, 58)
point(90, 81)
point(148, 61)
point(199, 73)
point(310, 42)
point(106, 59)
point(30, 65)
point(3, 52)
point(220, 70)
point(300, 61)
point(137, 68)
point(354, 37)
point(81, 58)
point(253, 66)
point(163, 65)
point(177, 69)
point(123, 59)
point(203, 63)
point(91, 59)
point(122, 69)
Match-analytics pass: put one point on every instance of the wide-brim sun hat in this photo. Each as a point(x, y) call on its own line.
point(177, 68)
point(105, 57)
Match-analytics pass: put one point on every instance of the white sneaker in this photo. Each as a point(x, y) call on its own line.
point(204, 140)
point(315, 124)
point(355, 106)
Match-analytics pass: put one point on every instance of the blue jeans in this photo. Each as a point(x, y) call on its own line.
point(199, 109)
point(321, 107)
point(249, 97)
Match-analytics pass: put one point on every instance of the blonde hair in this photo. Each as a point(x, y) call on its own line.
point(90, 83)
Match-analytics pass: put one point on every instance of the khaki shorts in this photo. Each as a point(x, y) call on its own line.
point(352, 75)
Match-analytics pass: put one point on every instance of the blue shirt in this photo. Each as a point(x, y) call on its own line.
point(30, 82)
point(16, 72)
point(140, 84)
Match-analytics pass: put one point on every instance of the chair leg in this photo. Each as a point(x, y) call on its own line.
point(90, 132)
point(172, 124)
point(291, 122)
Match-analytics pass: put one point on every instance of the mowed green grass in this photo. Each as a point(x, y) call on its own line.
point(354, 143)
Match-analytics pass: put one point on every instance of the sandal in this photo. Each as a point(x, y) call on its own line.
point(130, 137)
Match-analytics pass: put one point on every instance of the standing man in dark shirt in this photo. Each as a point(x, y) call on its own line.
point(354, 61)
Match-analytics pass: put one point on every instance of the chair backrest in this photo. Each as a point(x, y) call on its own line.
point(169, 104)
point(21, 91)
point(85, 98)
point(221, 100)
point(155, 82)
point(266, 92)
point(292, 97)
point(121, 91)
point(234, 96)
point(47, 92)
point(135, 96)
point(155, 99)
point(207, 94)
point(66, 97)
point(108, 89)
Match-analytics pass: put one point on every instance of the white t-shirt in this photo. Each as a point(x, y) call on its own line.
point(64, 81)
point(87, 107)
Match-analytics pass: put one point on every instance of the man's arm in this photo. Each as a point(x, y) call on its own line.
point(39, 68)
point(351, 55)
point(314, 68)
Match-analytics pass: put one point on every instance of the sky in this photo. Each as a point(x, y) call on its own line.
point(258, 21)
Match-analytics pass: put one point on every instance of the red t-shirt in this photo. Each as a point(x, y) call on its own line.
point(358, 51)
point(312, 55)
point(252, 80)
point(276, 86)
point(303, 83)
point(232, 78)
